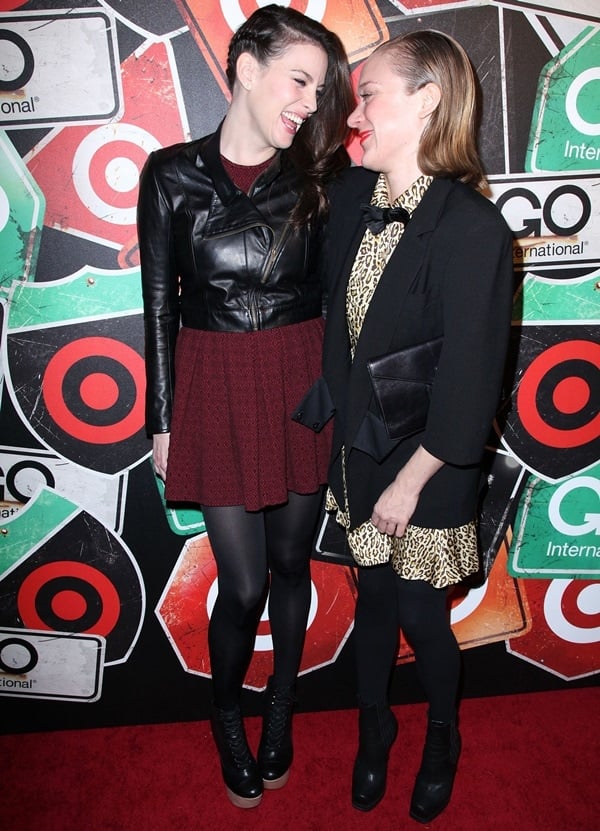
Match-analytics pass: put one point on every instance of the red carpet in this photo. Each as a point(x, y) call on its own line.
point(529, 763)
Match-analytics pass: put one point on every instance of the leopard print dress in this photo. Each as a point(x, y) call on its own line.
point(441, 556)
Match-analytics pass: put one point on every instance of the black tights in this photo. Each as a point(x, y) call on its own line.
point(248, 546)
point(387, 603)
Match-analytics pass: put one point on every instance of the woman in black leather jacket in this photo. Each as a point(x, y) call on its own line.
point(228, 227)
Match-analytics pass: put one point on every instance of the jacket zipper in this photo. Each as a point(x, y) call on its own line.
point(270, 261)
point(266, 273)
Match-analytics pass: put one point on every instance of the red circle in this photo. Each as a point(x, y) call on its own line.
point(571, 395)
point(111, 604)
point(539, 429)
point(56, 370)
point(99, 391)
point(68, 605)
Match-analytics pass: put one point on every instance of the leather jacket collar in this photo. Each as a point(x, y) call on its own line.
point(209, 155)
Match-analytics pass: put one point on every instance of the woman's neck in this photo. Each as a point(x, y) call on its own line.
point(398, 182)
point(404, 172)
point(237, 141)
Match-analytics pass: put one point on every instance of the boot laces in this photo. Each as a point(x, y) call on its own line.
point(279, 710)
point(236, 739)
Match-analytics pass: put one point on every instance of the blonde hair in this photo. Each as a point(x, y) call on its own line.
point(448, 146)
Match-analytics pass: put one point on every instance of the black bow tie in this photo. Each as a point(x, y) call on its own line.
point(377, 218)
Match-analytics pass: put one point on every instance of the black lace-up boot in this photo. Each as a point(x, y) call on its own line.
point(433, 785)
point(275, 751)
point(240, 771)
point(377, 731)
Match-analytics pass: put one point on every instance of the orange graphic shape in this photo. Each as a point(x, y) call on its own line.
point(496, 611)
point(358, 23)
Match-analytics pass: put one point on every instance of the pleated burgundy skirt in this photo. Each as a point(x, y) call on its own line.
point(233, 441)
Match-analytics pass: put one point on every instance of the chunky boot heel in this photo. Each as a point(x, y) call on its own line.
point(240, 771)
point(377, 731)
point(433, 785)
point(275, 751)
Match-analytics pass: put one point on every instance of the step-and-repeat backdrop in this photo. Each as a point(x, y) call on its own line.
point(106, 591)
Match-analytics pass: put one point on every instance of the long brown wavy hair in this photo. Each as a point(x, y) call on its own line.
point(318, 151)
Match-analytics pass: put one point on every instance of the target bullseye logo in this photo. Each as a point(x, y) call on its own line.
point(565, 627)
point(90, 175)
point(188, 600)
point(78, 380)
point(72, 575)
point(566, 376)
point(93, 388)
point(572, 610)
point(69, 597)
point(106, 169)
point(551, 421)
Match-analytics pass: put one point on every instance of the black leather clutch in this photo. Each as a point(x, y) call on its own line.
point(402, 385)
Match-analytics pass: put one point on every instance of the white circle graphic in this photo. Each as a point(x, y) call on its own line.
point(122, 174)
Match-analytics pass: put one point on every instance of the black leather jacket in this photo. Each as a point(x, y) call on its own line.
point(215, 258)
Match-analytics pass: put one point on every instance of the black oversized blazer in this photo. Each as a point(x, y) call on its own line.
point(450, 275)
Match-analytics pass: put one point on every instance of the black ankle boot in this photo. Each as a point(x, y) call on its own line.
point(433, 785)
point(377, 731)
point(275, 751)
point(238, 766)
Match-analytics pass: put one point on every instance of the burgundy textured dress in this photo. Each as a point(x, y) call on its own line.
point(233, 441)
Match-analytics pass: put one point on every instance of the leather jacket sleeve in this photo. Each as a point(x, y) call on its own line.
point(160, 288)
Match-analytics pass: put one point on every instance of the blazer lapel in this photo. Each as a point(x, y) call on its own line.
point(344, 238)
point(388, 299)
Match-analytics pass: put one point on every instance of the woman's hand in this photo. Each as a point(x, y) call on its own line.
point(397, 503)
point(395, 507)
point(160, 453)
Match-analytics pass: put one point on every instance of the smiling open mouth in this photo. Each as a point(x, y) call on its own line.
point(292, 120)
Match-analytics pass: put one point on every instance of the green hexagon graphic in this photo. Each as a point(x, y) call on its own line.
point(22, 208)
point(565, 126)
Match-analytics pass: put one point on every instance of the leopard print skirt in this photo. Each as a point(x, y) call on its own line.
point(440, 556)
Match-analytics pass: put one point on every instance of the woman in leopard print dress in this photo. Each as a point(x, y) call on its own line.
point(437, 269)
